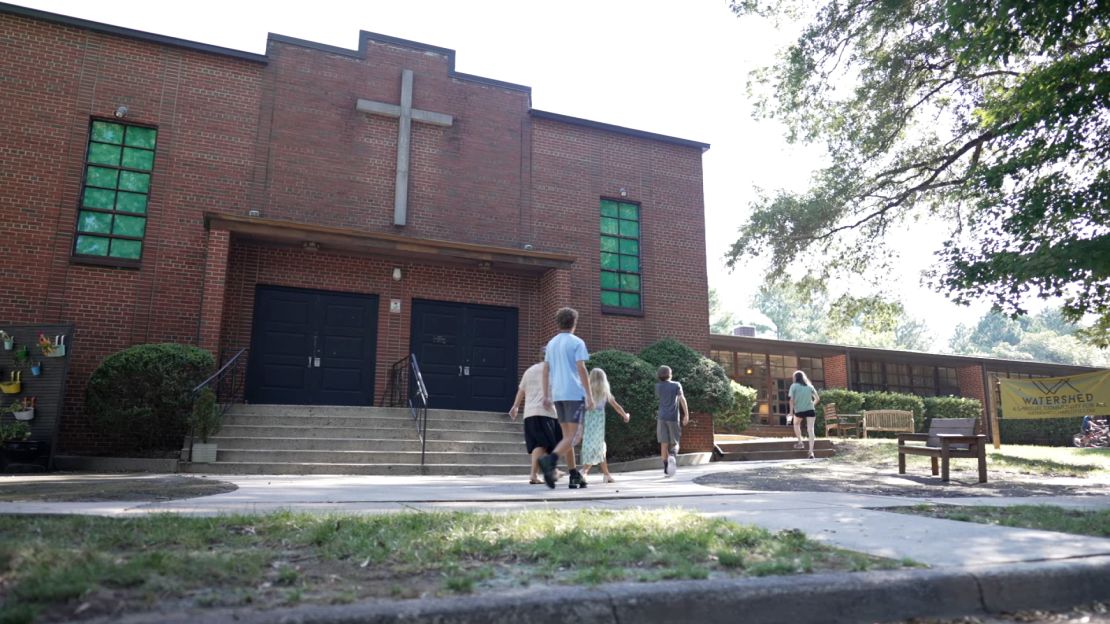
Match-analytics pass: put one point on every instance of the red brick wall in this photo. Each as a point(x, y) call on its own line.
point(971, 387)
point(55, 78)
point(284, 138)
point(836, 371)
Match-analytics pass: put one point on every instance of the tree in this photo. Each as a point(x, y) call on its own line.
point(1045, 337)
point(720, 321)
point(991, 115)
point(802, 310)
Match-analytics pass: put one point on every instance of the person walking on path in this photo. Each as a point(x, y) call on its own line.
point(541, 425)
point(803, 404)
point(593, 436)
point(667, 430)
point(566, 385)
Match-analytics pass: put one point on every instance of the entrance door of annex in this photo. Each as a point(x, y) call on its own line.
point(467, 354)
point(312, 347)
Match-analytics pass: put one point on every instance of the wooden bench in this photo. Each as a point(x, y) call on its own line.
point(947, 438)
point(897, 421)
point(840, 422)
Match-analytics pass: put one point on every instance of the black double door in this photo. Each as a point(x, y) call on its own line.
point(312, 347)
point(467, 354)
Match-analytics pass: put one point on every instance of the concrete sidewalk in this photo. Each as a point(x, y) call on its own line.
point(957, 552)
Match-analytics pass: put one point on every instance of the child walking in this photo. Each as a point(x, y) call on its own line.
point(803, 404)
point(566, 385)
point(667, 430)
point(593, 440)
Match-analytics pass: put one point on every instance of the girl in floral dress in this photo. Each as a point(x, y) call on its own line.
point(593, 440)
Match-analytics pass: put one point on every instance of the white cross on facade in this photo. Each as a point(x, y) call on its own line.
point(406, 114)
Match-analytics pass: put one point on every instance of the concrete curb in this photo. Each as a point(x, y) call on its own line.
point(816, 598)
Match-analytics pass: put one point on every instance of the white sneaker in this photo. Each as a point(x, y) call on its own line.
point(672, 466)
point(799, 445)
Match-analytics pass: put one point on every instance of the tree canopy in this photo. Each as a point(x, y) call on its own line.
point(1044, 337)
point(991, 116)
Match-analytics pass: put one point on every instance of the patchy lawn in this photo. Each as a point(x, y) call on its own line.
point(871, 467)
point(62, 568)
point(1095, 523)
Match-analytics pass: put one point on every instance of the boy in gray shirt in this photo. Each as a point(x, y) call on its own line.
point(667, 429)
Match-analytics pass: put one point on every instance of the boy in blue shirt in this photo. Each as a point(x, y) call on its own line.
point(566, 385)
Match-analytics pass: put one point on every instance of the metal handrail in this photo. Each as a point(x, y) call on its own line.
point(406, 387)
point(227, 383)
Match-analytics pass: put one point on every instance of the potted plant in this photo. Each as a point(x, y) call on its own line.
point(21, 355)
point(55, 347)
point(36, 368)
point(14, 385)
point(205, 423)
point(9, 340)
point(22, 409)
point(16, 445)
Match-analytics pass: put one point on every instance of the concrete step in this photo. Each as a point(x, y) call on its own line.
point(406, 432)
point(260, 443)
point(361, 411)
point(364, 457)
point(276, 468)
point(774, 455)
point(768, 445)
point(367, 421)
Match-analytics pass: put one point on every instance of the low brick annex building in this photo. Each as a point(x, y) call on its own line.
point(329, 209)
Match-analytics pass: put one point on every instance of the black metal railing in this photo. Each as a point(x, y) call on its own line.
point(406, 388)
point(227, 384)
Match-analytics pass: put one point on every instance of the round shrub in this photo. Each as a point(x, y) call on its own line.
point(707, 388)
point(632, 382)
point(141, 395)
point(739, 417)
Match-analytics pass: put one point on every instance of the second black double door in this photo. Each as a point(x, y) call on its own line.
point(467, 354)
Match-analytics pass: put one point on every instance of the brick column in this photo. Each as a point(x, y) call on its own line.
point(836, 371)
point(971, 387)
point(554, 294)
point(697, 437)
point(215, 283)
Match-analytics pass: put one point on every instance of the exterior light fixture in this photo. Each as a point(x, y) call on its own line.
point(397, 274)
point(121, 111)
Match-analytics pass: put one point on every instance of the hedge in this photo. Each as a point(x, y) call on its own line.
point(141, 395)
point(707, 388)
point(896, 401)
point(632, 382)
point(1046, 431)
point(951, 407)
point(739, 417)
point(846, 401)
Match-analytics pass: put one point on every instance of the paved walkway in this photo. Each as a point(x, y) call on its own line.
point(852, 521)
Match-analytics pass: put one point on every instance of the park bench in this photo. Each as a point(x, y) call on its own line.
point(839, 422)
point(947, 438)
point(896, 421)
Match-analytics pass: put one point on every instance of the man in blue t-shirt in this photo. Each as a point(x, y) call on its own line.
point(566, 385)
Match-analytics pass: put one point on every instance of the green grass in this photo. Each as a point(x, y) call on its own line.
point(51, 564)
point(1016, 458)
point(1043, 517)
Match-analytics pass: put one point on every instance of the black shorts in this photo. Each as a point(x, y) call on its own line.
point(542, 432)
point(805, 414)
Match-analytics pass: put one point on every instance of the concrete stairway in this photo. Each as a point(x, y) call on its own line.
point(294, 439)
point(764, 449)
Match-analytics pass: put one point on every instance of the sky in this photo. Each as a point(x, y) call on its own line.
point(672, 67)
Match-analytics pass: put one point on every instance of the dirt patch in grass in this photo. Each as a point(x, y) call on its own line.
point(63, 488)
point(872, 468)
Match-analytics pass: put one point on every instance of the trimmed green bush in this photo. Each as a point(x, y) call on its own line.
point(1046, 431)
point(632, 382)
point(951, 407)
point(846, 401)
point(707, 388)
point(896, 401)
point(141, 395)
point(205, 420)
point(739, 417)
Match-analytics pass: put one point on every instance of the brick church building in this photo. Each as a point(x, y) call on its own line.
point(330, 209)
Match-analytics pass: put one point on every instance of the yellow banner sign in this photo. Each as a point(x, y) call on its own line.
point(1056, 397)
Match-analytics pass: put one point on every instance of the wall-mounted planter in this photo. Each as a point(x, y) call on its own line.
point(14, 385)
point(53, 348)
point(9, 343)
point(36, 369)
point(26, 414)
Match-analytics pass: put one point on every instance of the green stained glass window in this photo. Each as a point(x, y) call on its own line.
point(99, 222)
point(104, 154)
point(126, 249)
point(92, 245)
point(620, 255)
point(119, 161)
